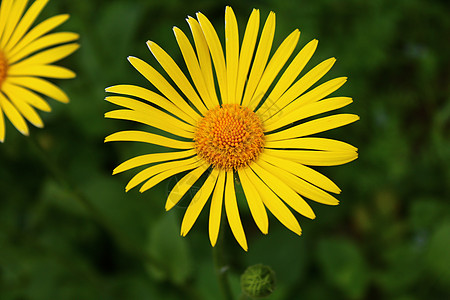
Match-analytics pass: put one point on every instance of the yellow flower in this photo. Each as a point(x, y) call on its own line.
point(248, 135)
point(26, 54)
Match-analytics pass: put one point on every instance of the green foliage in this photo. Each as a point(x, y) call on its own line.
point(437, 258)
point(68, 230)
point(343, 265)
point(167, 246)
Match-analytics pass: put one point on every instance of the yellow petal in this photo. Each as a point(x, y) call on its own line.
point(232, 211)
point(315, 158)
point(22, 106)
point(255, 203)
point(313, 143)
point(288, 77)
point(261, 57)
point(314, 95)
point(194, 67)
point(13, 18)
point(27, 111)
point(274, 66)
point(177, 75)
point(25, 94)
point(38, 31)
point(150, 96)
point(274, 204)
point(301, 186)
point(146, 159)
point(42, 43)
point(49, 56)
point(163, 86)
point(303, 172)
point(150, 120)
point(309, 110)
point(314, 126)
point(5, 12)
point(41, 86)
point(156, 169)
point(215, 212)
point(198, 202)
point(166, 174)
point(183, 185)
point(304, 83)
point(150, 111)
point(48, 71)
point(284, 191)
point(204, 58)
point(13, 115)
point(25, 23)
point(247, 50)
point(147, 137)
point(216, 51)
point(232, 53)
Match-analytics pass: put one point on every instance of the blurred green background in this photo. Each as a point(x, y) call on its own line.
point(69, 231)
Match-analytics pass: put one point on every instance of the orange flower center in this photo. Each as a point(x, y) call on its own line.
point(229, 137)
point(3, 68)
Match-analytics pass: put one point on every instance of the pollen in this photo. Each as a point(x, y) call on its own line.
point(229, 137)
point(3, 68)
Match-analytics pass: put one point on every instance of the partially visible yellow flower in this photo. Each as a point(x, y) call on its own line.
point(250, 133)
point(26, 55)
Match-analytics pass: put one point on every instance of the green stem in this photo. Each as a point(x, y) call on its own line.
point(221, 267)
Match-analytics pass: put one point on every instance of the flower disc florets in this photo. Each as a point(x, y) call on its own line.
point(3, 68)
point(229, 137)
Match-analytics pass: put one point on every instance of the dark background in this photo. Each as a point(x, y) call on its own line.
point(69, 231)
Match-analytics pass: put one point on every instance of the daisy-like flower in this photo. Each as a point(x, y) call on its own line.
point(26, 55)
point(249, 134)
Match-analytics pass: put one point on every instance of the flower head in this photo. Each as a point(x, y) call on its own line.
point(250, 131)
point(26, 55)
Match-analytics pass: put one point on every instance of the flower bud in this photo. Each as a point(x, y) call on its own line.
point(258, 281)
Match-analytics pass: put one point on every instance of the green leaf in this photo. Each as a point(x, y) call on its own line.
point(344, 266)
point(117, 26)
point(287, 245)
point(170, 249)
point(424, 212)
point(438, 254)
point(55, 194)
point(402, 269)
